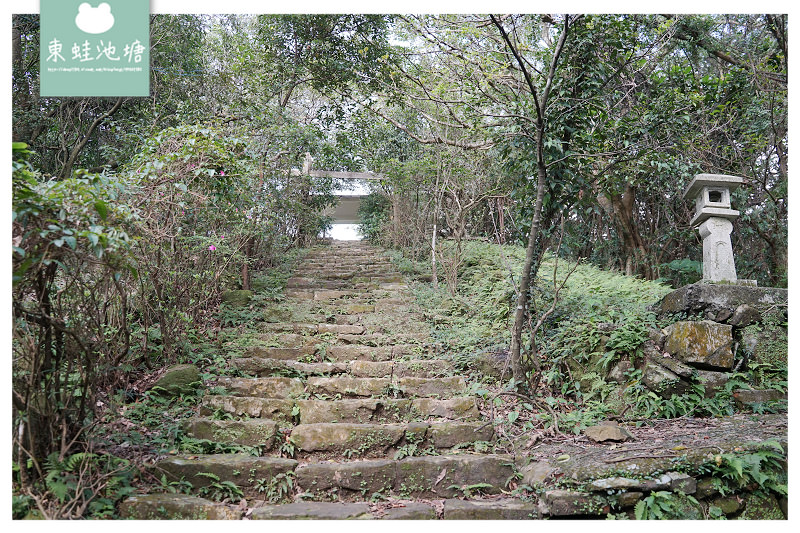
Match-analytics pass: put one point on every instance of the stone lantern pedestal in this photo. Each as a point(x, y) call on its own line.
point(714, 219)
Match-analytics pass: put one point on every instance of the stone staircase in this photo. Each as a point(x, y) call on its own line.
point(355, 414)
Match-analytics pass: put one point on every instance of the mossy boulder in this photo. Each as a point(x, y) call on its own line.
point(238, 298)
point(177, 380)
point(703, 344)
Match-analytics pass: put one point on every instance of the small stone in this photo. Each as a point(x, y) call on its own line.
point(536, 473)
point(705, 488)
point(569, 503)
point(682, 482)
point(727, 504)
point(606, 432)
point(744, 316)
point(629, 499)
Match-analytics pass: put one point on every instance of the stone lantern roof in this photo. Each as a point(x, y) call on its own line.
point(712, 194)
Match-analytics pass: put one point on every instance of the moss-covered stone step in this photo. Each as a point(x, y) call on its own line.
point(297, 283)
point(448, 476)
point(253, 407)
point(286, 354)
point(242, 469)
point(254, 432)
point(313, 511)
point(262, 366)
point(490, 509)
point(351, 480)
point(379, 339)
point(348, 386)
point(423, 368)
point(351, 352)
point(174, 507)
point(387, 410)
point(361, 439)
point(271, 387)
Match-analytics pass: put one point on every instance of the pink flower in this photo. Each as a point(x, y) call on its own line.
point(221, 172)
point(212, 247)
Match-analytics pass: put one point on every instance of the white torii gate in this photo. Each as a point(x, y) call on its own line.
point(346, 211)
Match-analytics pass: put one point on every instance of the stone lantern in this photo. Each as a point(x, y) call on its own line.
point(714, 218)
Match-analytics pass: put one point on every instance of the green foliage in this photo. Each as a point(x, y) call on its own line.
point(218, 490)
point(664, 505)
point(373, 213)
point(278, 488)
point(88, 485)
point(763, 466)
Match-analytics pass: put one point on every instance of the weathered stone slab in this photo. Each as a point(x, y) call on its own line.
point(346, 410)
point(347, 386)
point(283, 354)
point(332, 294)
point(506, 509)
point(299, 294)
point(569, 503)
point(352, 352)
point(704, 344)
point(449, 434)
point(363, 477)
point(358, 309)
point(261, 366)
point(341, 328)
point(408, 511)
point(235, 467)
point(174, 507)
point(661, 380)
point(746, 397)
point(701, 296)
point(441, 387)
point(421, 477)
point(536, 473)
point(273, 408)
point(460, 407)
point(313, 511)
point(358, 439)
point(255, 432)
point(272, 387)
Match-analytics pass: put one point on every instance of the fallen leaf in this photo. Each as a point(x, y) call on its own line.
point(440, 477)
point(562, 458)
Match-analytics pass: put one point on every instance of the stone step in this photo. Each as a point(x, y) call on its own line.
point(372, 410)
point(312, 511)
point(357, 440)
point(282, 354)
point(307, 329)
point(265, 367)
point(352, 352)
point(348, 386)
point(242, 469)
point(174, 507)
point(254, 432)
point(443, 476)
point(253, 407)
point(271, 387)
point(422, 368)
